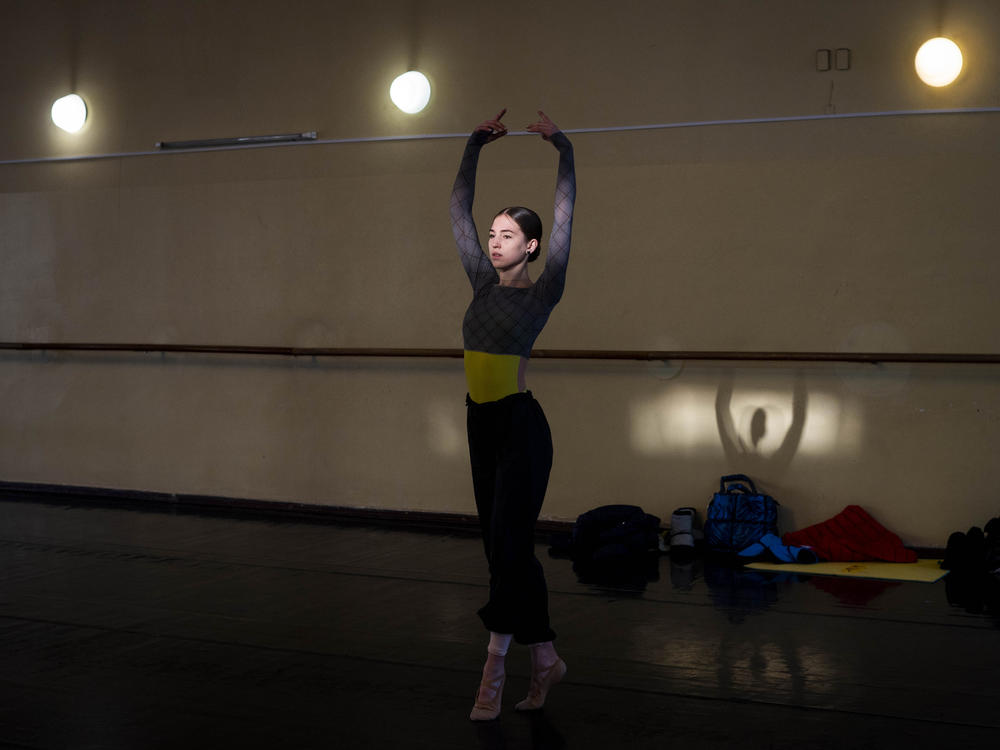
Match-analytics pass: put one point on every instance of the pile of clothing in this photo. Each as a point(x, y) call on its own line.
point(850, 536)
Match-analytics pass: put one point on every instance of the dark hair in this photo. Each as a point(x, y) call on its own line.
point(530, 224)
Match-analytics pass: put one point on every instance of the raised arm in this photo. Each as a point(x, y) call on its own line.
point(477, 265)
point(557, 259)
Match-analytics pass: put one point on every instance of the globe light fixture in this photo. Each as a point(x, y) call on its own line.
point(410, 92)
point(69, 113)
point(938, 61)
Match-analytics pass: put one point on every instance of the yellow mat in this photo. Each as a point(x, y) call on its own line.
point(925, 571)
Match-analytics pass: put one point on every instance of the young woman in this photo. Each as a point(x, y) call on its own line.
point(510, 445)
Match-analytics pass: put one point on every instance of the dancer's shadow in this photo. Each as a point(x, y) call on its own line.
point(747, 454)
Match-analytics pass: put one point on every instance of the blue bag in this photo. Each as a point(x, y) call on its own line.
point(738, 515)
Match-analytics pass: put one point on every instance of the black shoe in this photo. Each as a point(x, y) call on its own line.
point(992, 530)
point(977, 548)
point(956, 555)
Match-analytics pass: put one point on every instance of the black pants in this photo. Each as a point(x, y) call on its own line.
point(510, 447)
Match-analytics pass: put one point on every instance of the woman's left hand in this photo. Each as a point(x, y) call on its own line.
point(545, 127)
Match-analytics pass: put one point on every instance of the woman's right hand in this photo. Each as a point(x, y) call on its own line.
point(494, 128)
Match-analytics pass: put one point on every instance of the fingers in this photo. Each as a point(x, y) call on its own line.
point(497, 129)
point(544, 126)
point(495, 123)
point(494, 127)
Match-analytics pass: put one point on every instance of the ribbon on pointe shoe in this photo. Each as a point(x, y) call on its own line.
point(487, 707)
point(541, 682)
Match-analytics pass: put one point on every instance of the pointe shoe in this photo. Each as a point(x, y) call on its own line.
point(541, 683)
point(488, 708)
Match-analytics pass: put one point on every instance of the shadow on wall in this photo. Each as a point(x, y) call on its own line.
point(749, 447)
point(760, 429)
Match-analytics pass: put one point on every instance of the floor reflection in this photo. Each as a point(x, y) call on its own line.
point(755, 656)
point(739, 592)
point(509, 731)
point(623, 576)
point(975, 593)
point(853, 592)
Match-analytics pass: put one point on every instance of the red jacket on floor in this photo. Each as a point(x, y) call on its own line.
point(851, 536)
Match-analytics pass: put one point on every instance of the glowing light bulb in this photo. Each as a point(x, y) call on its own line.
point(69, 113)
point(410, 92)
point(938, 61)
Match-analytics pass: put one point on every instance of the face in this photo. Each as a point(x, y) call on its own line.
point(507, 246)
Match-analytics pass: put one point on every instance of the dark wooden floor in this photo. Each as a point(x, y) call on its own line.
point(130, 628)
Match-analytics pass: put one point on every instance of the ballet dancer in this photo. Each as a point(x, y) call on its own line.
point(510, 446)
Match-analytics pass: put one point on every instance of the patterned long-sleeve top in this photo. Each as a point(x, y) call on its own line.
point(502, 322)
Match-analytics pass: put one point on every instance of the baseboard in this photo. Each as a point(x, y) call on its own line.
point(243, 507)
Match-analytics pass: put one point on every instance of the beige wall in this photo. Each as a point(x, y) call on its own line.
point(842, 235)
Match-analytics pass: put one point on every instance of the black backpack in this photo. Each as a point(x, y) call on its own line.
point(613, 533)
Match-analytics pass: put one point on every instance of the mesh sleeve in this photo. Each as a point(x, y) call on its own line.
point(553, 278)
point(477, 266)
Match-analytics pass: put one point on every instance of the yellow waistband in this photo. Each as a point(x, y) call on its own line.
point(490, 377)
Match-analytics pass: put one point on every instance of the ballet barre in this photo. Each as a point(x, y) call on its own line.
point(641, 355)
point(312, 140)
